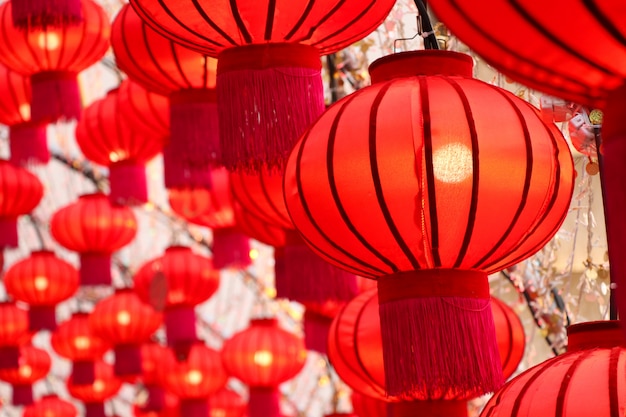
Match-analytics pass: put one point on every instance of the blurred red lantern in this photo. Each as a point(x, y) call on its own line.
point(195, 379)
point(94, 228)
point(188, 78)
point(153, 355)
point(104, 387)
point(258, 229)
point(34, 364)
point(175, 283)
point(13, 333)
point(126, 322)
point(51, 406)
point(170, 408)
point(42, 281)
point(150, 111)
point(53, 56)
point(263, 356)
point(39, 14)
point(20, 193)
point(316, 323)
point(112, 141)
point(430, 218)
point(74, 340)
point(227, 403)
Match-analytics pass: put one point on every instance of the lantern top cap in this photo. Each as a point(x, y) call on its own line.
point(426, 62)
point(43, 252)
point(266, 321)
point(97, 194)
point(594, 334)
point(174, 248)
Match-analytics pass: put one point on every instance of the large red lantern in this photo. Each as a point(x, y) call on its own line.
point(13, 333)
point(94, 228)
point(263, 356)
point(34, 364)
point(93, 396)
point(51, 406)
point(126, 322)
point(111, 141)
point(402, 182)
point(175, 283)
point(53, 56)
point(188, 78)
point(42, 281)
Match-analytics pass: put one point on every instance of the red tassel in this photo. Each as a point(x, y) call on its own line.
point(39, 14)
point(128, 183)
point(427, 409)
point(230, 248)
point(264, 402)
point(42, 318)
point(438, 334)
point(180, 327)
point(316, 327)
point(22, 395)
point(95, 410)
point(83, 372)
point(95, 269)
point(127, 360)
point(55, 96)
point(8, 232)
point(177, 173)
point(191, 407)
point(268, 96)
point(29, 144)
point(9, 357)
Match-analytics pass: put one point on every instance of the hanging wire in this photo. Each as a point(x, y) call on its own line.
point(424, 29)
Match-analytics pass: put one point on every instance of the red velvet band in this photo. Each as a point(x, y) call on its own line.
point(274, 55)
point(428, 62)
point(594, 334)
point(428, 409)
point(194, 95)
point(53, 76)
point(433, 283)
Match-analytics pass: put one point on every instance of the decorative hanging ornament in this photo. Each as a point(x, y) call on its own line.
point(153, 355)
point(40, 14)
point(227, 403)
point(93, 396)
point(52, 57)
point(402, 182)
point(34, 364)
point(51, 406)
point(13, 333)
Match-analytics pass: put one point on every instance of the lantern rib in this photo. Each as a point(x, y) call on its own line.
point(269, 22)
point(303, 17)
point(565, 383)
point(613, 382)
point(153, 58)
point(346, 267)
point(545, 366)
point(604, 21)
point(181, 72)
point(332, 46)
point(243, 30)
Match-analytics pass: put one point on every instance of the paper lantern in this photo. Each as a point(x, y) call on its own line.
point(227, 403)
point(75, 340)
point(263, 356)
point(104, 387)
point(34, 364)
point(39, 14)
point(126, 322)
point(586, 381)
point(51, 406)
point(13, 333)
point(53, 56)
point(111, 141)
point(94, 228)
point(188, 79)
point(402, 182)
point(175, 283)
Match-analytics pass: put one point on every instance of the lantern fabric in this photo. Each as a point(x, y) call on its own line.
point(34, 364)
point(42, 281)
point(104, 387)
point(53, 56)
point(389, 184)
point(263, 356)
point(20, 193)
point(39, 14)
point(227, 403)
point(94, 228)
point(149, 111)
point(588, 380)
point(111, 141)
point(51, 406)
point(366, 406)
point(126, 322)
point(13, 333)
point(153, 355)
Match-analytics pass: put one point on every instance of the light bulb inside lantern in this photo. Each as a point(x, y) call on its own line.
point(217, 412)
point(24, 110)
point(123, 318)
point(194, 377)
point(41, 283)
point(49, 41)
point(25, 371)
point(263, 358)
point(98, 385)
point(117, 156)
point(452, 163)
point(82, 342)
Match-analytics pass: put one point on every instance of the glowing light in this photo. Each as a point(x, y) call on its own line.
point(194, 377)
point(324, 380)
point(452, 163)
point(82, 342)
point(116, 156)
point(25, 371)
point(41, 283)
point(217, 412)
point(50, 41)
point(123, 318)
point(263, 358)
point(24, 110)
point(98, 385)
point(254, 254)
point(270, 292)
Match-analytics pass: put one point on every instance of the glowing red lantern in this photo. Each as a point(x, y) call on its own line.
point(126, 322)
point(263, 356)
point(74, 340)
point(13, 332)
point(104, 386)
point(169, 409)
point(153, 355)
point(227, 403)
point(195, 379)
point(34, 364)
point(94, 228)
point(389, 184)
point(42, 281)
point(149, 111)
point(38, 14)
point(175, 283)
point(53, 56)
point(188, 78)
point(110, 140)
point(51, 406)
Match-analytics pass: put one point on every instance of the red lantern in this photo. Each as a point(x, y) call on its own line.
point(75, 340)
point(588, 380)
point(52, 56)
point(20, 193)
point(227, 403)
point(104, 387)
point(263, 356)
point(51, 406)
point(149, 111)
point(170, 408)
point(389, 184)
point(153, 355)
point(125, 321)
point(95, 229)
point(42, 281)
point(196, 378)
point(110, 140)
point(269, 83)
point(176, 282)
point(316, 323)
point(39, 14)
point(13, 333)
point(34, 364)
point(188, 78)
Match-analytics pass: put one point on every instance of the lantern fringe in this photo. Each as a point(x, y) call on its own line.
point(191, 407)
point(264, 402)
point(441, 408)
point(9, 357)
point(231, 248)
point(29, 144)
point(83, 372)
point(177, 173)
point(180, 329)
point(55, 96)
point(439, 347)
point(40, 14)
point(42, 318)
point(95, 269)
point(128, 183)
point(316, 327)
point(127, 360)
point(22, 394)
point(95, 410)
point(8, 232)
point(156, 399)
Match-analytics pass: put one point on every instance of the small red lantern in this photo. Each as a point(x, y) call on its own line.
point(227, 403)
point(13, 333)
point(34, 364)
point(74, 340)
point(104, 387)
point(195, 379)
point(53, 56)
point(39, 14)
point(175, 283)
point(51, 406)
point(263, 356)
point(153, 355)
point(127, 322)
point(110, 140)
point(170, 408)
point(94, 228)
point(42, 281)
